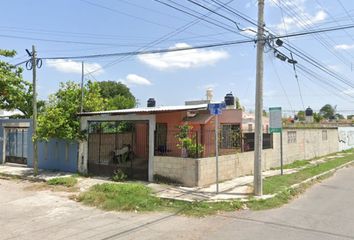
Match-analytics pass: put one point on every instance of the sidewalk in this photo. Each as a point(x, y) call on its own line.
point(238, 188)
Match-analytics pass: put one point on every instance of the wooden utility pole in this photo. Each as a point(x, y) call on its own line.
point(258, 136)
point(34, 139)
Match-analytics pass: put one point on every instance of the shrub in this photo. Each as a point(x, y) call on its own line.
point(119, 176)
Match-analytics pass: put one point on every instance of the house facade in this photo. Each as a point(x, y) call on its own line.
point(131, 139)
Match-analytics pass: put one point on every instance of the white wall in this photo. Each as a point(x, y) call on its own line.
point(345, 138)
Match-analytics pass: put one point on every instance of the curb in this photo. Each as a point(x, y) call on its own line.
point(294, 186)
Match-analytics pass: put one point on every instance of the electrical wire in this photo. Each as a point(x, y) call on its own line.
point(134, 53)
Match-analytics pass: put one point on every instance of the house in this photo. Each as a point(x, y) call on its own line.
point(140, 135)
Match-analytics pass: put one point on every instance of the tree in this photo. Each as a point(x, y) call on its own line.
point(15, 92)
point(301, 116)
point(328, 111)
point(59, 119)
point(339, 116)
point(317, 117)
point(117, 94)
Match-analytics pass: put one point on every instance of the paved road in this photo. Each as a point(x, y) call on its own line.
point(326, 211)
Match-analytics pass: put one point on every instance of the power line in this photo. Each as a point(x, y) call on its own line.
point(163, 38)
point(216, 13)
point(321, 40)
point(133, 53)
point(65, 41)
point(218, 24)
point(190, 48)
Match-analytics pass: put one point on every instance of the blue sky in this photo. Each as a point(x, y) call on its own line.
point(82, 27)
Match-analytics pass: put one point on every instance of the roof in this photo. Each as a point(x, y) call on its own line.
point(5, 114)
point(148, 110)
point(199, 119)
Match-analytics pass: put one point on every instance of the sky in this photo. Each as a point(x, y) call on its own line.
point(87, 27)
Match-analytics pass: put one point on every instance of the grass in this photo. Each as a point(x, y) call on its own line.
point(282, 197)
point(296, 164)
point(275, 184)
point(139, 198)
point(63, 181)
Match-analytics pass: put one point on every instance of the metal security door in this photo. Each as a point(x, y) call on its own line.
point(16, 145)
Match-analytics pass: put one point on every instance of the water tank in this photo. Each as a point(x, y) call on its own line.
point(308, 112)
point(229, 99)
point(151, 102)
point(209, 94)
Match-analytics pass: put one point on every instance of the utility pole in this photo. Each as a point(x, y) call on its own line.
point(82, 86)
point(35, 145)
point(258, 137)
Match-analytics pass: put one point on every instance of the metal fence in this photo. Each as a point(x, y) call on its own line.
point(202, 143)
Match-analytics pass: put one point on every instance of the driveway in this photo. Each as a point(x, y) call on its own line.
point(326, 211)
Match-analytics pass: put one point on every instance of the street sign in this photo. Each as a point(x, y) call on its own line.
point(216, 108)
point(275, 123)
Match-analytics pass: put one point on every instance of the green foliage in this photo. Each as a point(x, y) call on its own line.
point(59, 119)
point(15, 92)
point(188, 143)
point(117, 94)
point(301, 116)
point(137, 197)
point(328, 111)
point(119, 176)
point(317, 117)
point(278, 183)
point(120, 197)
point(64, 181)
point(296, 164)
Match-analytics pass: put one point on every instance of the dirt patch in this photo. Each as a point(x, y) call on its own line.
point(46, 187)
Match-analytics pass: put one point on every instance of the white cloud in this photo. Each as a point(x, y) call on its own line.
point(344, 47)
point(291, 23)
point(133, 79)
point(70, 66)
point(302, 19)
point(183, 59)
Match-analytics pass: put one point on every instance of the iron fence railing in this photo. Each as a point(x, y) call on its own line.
point(202, 143)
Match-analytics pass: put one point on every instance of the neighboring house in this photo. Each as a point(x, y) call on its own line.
point(248, 122)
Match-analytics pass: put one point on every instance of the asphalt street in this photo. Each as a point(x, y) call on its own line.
point(325, 211)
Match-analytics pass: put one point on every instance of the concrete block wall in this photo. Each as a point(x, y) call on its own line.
point(309, 143)
point(183, 170)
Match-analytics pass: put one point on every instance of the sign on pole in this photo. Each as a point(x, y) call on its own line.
point(215, 109)
point(275, 125)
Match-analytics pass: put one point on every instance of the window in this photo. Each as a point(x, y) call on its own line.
point(324, 135)
point(291, 136)
point(248, 141)
point(250, 128)
point(161, 137)
point(230, 136)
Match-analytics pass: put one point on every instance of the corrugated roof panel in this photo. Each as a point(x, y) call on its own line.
point(148, 110)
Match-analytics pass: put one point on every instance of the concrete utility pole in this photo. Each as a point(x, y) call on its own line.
point(35, 145)
point(258, 137)
point(82, 86)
